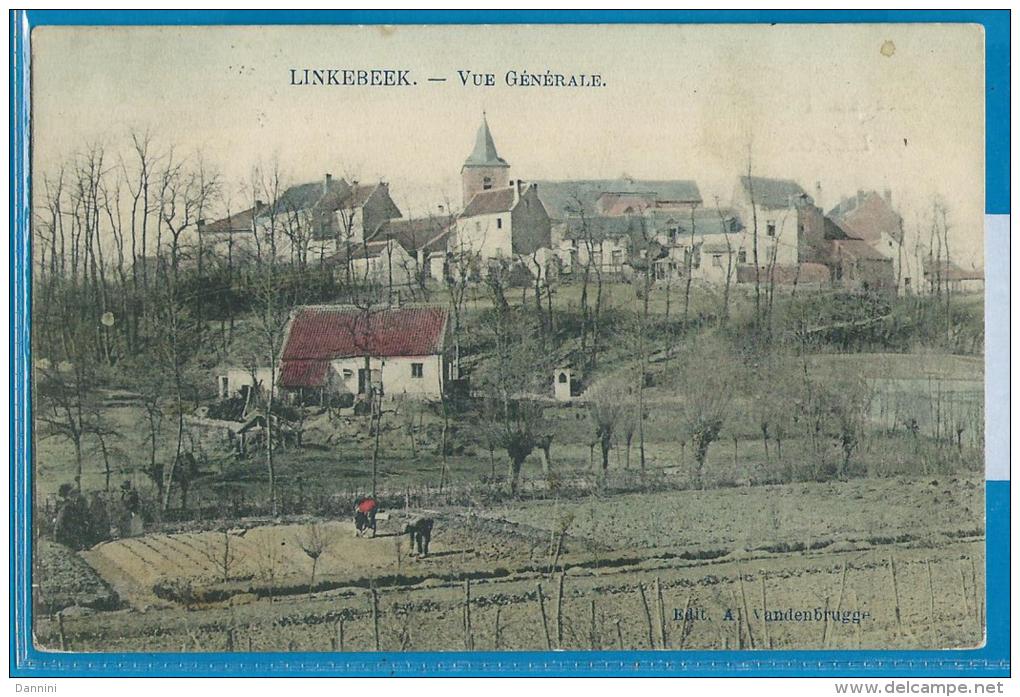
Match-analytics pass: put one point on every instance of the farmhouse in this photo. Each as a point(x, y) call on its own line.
point(333, 350)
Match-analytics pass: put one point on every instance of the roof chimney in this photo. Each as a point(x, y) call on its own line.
point(887, 195)
point(818, 194)
point(518, 190)
point(328, 184)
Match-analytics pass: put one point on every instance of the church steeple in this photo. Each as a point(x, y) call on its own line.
point(484, 154)
point(484, 168)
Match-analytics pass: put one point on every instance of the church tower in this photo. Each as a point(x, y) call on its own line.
point(484, 168)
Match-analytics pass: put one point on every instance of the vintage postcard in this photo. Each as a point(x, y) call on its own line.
point(621, 337)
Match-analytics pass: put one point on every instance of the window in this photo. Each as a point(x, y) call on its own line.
point(563, 378)
point(499, 223)
point(717, 261)
point(417, 370)
point(770, 228)
point(487, 183)
point(742, 256)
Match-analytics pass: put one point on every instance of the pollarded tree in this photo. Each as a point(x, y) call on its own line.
point(607, 411)
point(708, 379)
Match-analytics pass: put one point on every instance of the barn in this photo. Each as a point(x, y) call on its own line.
point(333, 350)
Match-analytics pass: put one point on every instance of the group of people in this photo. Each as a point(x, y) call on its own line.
point(80, 523)
point(419, 529)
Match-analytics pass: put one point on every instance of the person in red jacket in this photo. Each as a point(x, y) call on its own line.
point(364, 515)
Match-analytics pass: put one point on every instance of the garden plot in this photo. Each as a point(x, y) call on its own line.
point(268, 560)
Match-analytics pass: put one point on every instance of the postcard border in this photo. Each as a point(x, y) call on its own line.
point(26, 661)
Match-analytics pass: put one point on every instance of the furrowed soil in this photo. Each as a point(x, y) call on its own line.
point(870, 563)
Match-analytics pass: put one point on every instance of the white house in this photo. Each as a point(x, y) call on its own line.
point(771, 205)
point(343, 349)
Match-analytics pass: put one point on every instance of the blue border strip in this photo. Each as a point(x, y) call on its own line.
point(990, 660)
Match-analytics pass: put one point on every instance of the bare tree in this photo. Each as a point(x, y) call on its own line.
point(220, 549)
point(314, 542)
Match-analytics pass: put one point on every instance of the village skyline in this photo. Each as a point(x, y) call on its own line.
point(848, 134)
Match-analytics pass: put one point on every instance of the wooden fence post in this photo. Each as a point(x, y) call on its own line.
point(896, 595)
point(747, 613)
point(496, 641)
point(559, 611)
point(648, 616)
point(469, 642)
point(545, 622)
point(662, 614)
point(931, 598)
point(375, 616)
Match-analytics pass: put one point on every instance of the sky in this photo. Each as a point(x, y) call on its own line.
point(845, 107)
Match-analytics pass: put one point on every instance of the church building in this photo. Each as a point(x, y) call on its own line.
point(502, 218)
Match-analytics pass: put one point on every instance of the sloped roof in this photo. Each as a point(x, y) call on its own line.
point(416, 234)
point(604, 227)
point(706, 221)
point(316, 195)
point(484, 154)
point(867, 215)
point(490, 201)
point(858, 249)
point(327, 332)
point(951, 271)
point(238, 222)
point(565, 198)
point(774, 193)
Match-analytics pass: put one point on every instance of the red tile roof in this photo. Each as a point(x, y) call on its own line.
point(295, 374)
point(343, 331)
point(320, 334)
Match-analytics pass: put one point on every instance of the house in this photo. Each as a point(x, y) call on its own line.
point(769, 208)
point(602, 243)
point(232, 380)
point(948, 273)
point(711, 242)
point(616, 197)
point(505, 223)
point(232, 238)
point(334, 350)
point(319, 220)
point(870, 216)
point(858, 265)
point(423, 239)
point(380, 262)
